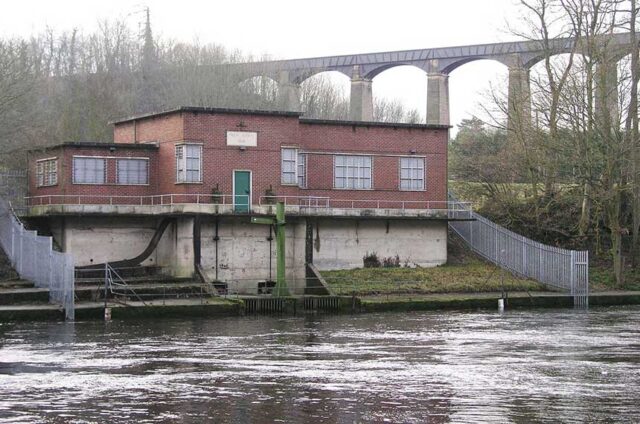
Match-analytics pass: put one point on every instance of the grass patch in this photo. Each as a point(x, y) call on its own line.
point(473, 277)
point(601, 278)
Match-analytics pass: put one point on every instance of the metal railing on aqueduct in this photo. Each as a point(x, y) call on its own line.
point(33, 257)
point(560, 268)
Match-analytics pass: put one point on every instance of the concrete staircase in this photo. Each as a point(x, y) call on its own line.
point(21, 300)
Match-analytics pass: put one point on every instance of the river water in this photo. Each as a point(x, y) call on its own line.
point(519, 366)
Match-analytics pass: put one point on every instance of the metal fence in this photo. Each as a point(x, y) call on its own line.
point(13, 188)
point(560, 268)
point(33, 257)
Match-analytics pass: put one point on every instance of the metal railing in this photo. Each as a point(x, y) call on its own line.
point(461, 209)
point(34, 259)
point(560, 268)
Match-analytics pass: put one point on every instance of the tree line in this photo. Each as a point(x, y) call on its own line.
point(575, 160)
point(67, 86)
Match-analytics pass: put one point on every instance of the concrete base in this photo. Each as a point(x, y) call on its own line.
point(342, 244)
point(242, 254)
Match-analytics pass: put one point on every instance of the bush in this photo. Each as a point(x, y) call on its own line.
point(371, 260)
point(391, 262)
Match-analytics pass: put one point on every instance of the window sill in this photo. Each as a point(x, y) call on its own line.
point(188, 182)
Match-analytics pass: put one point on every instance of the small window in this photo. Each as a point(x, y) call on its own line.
point(47, 172)
point(352, 172)
point(133, 171)
point(302, 170)
point(89, 170)
point(289, 166)
point(189, 163)
point(412, 174)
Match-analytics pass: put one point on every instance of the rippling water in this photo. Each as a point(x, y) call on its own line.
point(520, 366)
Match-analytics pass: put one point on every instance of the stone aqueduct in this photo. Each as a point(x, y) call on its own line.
point(437, 63)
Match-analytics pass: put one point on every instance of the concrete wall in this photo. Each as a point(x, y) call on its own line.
point(341, 244)
point(100, 239)
point(244, 251)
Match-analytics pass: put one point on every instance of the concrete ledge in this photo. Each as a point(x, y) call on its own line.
point(471, 301)
point(227, 210)
point(22, 295)
point(172, 308)
point(31, 313)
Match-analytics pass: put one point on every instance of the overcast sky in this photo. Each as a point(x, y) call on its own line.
point(290, 29)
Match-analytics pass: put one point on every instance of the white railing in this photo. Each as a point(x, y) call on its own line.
point(560, 268)
point(461, 210)
point(34, 259)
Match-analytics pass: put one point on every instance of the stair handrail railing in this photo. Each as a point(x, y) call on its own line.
point(553, 266)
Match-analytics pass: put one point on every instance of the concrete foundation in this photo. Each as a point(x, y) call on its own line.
point(243, 254)
point(342, 244)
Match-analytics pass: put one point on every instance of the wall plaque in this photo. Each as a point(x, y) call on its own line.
point(242, 138)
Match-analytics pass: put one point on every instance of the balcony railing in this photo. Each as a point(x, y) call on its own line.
point(456, 210)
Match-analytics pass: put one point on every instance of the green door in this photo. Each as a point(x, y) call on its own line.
point(241, 191)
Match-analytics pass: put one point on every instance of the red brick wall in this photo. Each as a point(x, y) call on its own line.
point(385, 144)
point(65, 184)
point(154, 129)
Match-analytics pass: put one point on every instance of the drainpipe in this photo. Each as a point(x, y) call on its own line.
point(216, 238)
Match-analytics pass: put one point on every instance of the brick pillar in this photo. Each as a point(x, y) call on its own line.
point(519, 101)
point(361, 99)
point(606, 98)
point(437, 98)
point(288, 93)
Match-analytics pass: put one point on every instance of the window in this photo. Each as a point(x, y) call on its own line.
point(289, 166)
point(352, 172)
point(302, 170)
point(412, 174)
point(89, 170)
point(293, 167)
point(189, 163)
point(132, 171)
point(47, 172)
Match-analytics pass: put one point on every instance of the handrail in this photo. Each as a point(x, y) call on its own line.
point(118, 282)
point(229, 199)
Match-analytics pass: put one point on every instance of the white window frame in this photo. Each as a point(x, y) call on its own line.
point(45, 176)
point(118, 182)
point(357, 171)
point(294, 173)
point(411, 169)
point(181, 163)
point(299, 174)
point(73, 170)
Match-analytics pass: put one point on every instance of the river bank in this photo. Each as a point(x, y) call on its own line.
point(301, 305)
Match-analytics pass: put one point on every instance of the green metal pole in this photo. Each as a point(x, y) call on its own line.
point(281, 283)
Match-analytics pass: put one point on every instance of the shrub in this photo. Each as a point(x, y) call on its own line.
point(371, 260)
point(391, 262)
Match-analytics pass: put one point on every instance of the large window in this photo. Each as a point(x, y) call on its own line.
point(133, 171)
point(189, 163)
point(352, 172)
point(47, 172)
point(87, 170)
point(293, 167)
point(412, 174)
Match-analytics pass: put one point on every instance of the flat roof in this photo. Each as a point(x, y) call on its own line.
point(99, 145)
point(198, 109)
point(316, 121)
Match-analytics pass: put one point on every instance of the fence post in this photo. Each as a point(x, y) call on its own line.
point(572, 276)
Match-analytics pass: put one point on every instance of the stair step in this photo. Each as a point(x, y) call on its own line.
point(134, 280)
point(15, 284)
point(144, 291)
point(22, 295)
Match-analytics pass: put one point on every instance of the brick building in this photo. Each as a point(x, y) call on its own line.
point(350, 188)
